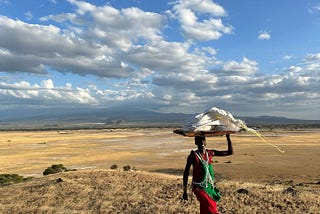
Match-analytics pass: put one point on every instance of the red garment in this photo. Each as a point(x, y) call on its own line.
point(207, 204)
point(198, 170)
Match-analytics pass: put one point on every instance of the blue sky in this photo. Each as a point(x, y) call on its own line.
point(248, 57)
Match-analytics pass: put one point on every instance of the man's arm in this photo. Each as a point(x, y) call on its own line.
point(185, 177)
point(228, 152)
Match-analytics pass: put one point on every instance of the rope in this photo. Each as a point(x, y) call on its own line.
point(255, 132)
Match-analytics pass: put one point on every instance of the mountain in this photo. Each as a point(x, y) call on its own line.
point(112, 117)
point(115, 117)
point(89, 115)
point(271, 120)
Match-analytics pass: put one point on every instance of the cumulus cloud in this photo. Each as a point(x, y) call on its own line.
point(117, 28)
point(202, 80)
point(264, 36)
point(294, 69)
point(95, 45)
point(46, 91)
point(126, 51)
point(243, 68)
point(203, 6)
point(166, 57)
point(194, 26)
point(312, 63)
point(313, 57)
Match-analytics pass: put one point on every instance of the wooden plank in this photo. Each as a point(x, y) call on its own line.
point(201, 133)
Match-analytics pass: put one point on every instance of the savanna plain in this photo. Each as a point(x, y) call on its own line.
point(256, 179)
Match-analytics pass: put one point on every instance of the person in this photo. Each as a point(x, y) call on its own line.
point(203, 175)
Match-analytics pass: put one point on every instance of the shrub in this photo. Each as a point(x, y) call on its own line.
point(56, 168)
point(127, 168)
point(114, 166)
point(7, 179)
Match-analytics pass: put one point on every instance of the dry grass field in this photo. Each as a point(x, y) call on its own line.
point(276, 182)
point(106, 191)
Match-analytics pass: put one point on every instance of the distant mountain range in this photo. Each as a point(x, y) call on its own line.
point(131, 117)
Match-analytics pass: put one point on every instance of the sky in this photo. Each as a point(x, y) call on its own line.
point(248, 57)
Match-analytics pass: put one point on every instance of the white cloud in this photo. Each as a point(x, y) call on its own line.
point(312, 62)
point(32, 48)
point(125, 49)
point(60, 17)
point(313, 57)
point(246, 67)
point(200, 81)
point(287, 57)
point(314, 9)
point(194, 26)
point(47, 92)
point(294, 69)
point(210, 50)
point(28, 15)
point(264, 36)
point(82, 7)
point(127, 25)
point(203, 6)
point(166, 57)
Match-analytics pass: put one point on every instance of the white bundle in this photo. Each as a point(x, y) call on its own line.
point(214, 120)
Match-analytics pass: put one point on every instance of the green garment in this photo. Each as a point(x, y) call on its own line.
point(207, 184)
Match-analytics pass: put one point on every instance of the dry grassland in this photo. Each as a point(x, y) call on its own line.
point(256, 166)
point(102, 191)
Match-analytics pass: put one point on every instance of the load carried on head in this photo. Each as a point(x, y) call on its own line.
point(215, 122)
point(212, 122)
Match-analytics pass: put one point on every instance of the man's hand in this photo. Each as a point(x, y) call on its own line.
point(185, 196)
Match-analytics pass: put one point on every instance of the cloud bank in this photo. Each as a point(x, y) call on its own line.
point(133, 62)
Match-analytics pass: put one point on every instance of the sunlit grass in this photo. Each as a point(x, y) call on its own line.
point(107, 191)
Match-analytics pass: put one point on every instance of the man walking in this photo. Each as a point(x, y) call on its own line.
point(203, 175)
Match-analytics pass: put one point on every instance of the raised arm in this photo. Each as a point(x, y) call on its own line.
point(227, 152)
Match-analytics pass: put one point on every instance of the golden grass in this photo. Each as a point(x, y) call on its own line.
point(256, 167)
point(106, 191)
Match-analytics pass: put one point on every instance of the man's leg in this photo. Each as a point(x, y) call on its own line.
point(207, 204)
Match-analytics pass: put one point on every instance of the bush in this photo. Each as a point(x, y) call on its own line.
point(56, 168)
point(7, 179)
point(114, 166)
point(127, 168)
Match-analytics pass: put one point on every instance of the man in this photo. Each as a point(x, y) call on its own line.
point(203, 176)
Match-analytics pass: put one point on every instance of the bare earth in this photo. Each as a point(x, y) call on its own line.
point(159, 150)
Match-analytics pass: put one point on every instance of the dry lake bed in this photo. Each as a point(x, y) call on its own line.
point(29, 153)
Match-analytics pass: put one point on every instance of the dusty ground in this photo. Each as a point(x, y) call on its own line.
point(29, 153)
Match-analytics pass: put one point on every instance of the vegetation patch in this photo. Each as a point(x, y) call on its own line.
point(7, 179)
point(56, 168)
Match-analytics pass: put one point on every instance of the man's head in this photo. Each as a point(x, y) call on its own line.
point(200, 141)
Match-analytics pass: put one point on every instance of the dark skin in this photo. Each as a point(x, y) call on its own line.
point(201, 144)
